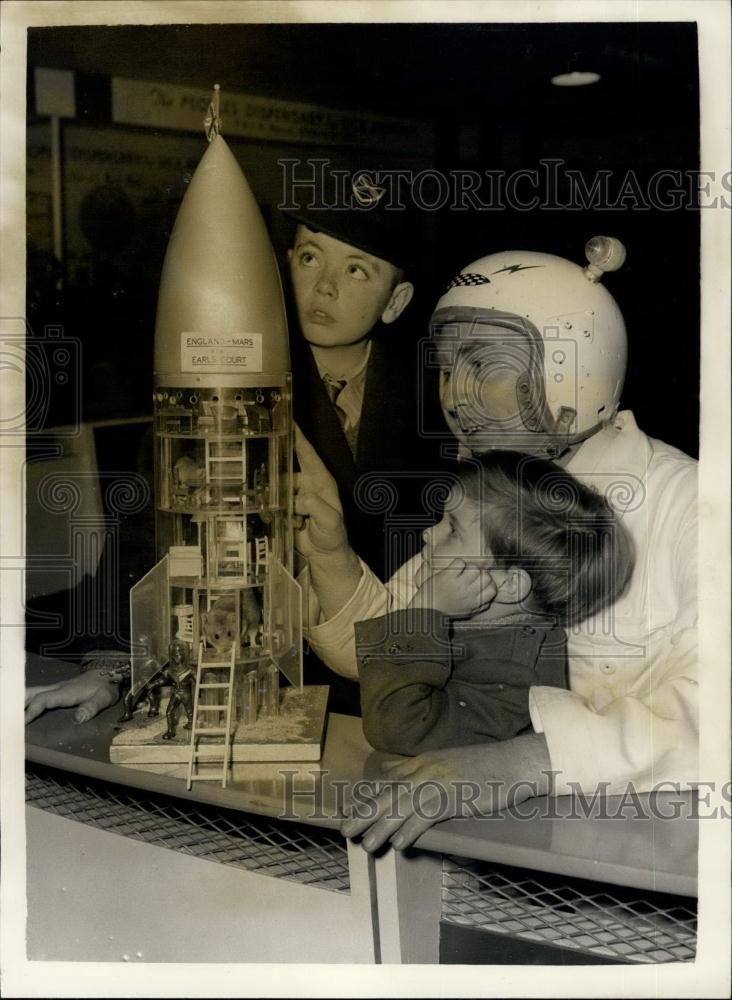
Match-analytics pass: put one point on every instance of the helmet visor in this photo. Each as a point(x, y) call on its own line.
point(491, 378)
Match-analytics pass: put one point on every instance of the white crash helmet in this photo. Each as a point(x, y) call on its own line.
point(571, 319)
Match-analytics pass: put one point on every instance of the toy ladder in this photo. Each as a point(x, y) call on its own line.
point(226, 688)
point(223, 465)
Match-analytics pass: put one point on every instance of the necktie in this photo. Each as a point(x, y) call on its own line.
point(334, 387)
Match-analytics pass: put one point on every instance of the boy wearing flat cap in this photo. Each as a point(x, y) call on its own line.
point(356, 363)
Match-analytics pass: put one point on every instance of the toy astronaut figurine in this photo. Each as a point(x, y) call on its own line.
point(180, 676)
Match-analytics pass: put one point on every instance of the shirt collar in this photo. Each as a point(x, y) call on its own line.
point(346, 376)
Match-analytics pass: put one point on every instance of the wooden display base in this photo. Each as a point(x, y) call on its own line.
point(296, 734)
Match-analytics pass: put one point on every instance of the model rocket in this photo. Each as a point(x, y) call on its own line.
point(223, 447)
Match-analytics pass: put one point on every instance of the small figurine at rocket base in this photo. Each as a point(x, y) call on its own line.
point(223, 456)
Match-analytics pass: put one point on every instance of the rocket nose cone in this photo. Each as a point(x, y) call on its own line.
point(220, 276)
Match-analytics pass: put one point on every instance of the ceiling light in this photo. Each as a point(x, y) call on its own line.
point(575, 79)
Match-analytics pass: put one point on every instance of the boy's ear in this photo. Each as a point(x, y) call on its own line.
point(400, 299)
point(514, 585)
point(289, 256)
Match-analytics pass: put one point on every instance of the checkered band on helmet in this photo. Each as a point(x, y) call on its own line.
point(468, 278)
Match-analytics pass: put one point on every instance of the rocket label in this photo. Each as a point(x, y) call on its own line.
point(229, 352)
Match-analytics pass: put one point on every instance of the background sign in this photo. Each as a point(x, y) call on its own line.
point(136, 102)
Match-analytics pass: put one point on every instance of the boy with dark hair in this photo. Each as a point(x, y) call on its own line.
point(523, 551)
point(357, 371)
point(356, 364)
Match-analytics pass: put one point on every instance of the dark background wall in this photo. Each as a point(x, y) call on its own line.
point(482, 90)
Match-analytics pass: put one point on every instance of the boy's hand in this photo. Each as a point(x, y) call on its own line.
point(318, 505)
point(459, 590)
point(335, 570)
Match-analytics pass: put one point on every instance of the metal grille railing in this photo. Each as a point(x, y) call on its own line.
point(621, 924)
point(292, 851)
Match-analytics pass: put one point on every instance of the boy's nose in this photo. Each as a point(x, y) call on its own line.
point(326, 286)
point(453, 400)
point(445, 391)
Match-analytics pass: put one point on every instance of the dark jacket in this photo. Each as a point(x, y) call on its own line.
point(423, 689)
point(382, 488)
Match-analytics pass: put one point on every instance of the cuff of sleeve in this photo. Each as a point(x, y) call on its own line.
point(333, 640)
point(562, 717)
point(311, 604)
point(350, 611)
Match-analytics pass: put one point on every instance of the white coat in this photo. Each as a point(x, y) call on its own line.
point(631, 713)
